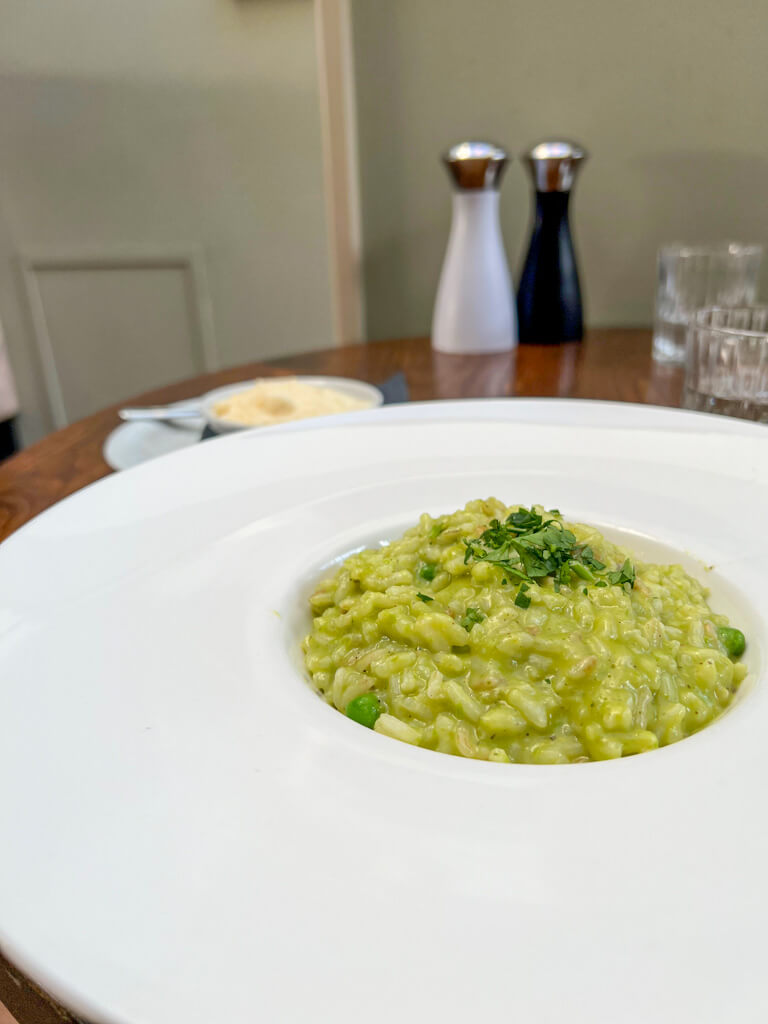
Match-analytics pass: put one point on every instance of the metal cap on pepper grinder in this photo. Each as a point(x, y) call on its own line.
point(476, 165)
point(554, 163)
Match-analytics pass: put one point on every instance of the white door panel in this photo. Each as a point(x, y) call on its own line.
point(112, 325)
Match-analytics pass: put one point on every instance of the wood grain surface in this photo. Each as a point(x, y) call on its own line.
point(610, 364)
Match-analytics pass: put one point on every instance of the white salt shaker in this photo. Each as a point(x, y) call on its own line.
point(475, 309)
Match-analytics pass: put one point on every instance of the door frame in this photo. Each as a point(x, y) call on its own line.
point(341, 172)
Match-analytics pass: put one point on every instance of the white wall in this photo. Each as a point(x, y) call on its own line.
point(162, 125)
point(670, 98)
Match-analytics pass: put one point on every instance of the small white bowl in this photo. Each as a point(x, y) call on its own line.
point(359, 389)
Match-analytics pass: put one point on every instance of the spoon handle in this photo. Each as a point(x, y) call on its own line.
point(159, 412)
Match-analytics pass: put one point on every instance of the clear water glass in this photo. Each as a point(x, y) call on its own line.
point(696, 277)
point(726, 367)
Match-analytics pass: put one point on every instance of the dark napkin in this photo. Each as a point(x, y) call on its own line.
point(394, 389)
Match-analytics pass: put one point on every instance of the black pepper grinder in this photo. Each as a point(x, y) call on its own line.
point(549, 297)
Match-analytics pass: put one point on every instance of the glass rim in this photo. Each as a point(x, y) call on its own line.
point(712, 249)
point(697, 321)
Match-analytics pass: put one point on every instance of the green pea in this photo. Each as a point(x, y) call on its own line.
point(733, 641)
point(364, 709)
point(428, 571)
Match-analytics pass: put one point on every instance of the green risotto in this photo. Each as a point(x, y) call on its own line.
point(507, 634)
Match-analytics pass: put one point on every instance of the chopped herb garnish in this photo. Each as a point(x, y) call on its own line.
point(626, 574)
point(529, 547)
point(522, 600)
point(424, 597)
point(588, 558)
point(471, 618)
point(564, 573)
point(582, 571)
point(435, 530)
point(585, 592)
point(428, 571)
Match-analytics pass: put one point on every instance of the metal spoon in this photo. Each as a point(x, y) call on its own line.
point(165, 413)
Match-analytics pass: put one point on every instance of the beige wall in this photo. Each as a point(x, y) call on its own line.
point(157, 126)
point(669, 97)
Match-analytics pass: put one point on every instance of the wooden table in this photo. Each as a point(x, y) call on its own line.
point(610, 364)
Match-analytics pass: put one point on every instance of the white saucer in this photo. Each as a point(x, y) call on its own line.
point(130, 444)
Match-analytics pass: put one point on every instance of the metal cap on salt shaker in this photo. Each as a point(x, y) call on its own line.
point(554, 163)
point(476, 165)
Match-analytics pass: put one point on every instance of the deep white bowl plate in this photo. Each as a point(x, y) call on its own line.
point(190, 834)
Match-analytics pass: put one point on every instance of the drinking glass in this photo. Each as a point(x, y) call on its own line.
point(726, 368)
point(694, 277)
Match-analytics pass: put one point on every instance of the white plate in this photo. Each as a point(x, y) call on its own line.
point(130, 444)
point(190, 835)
